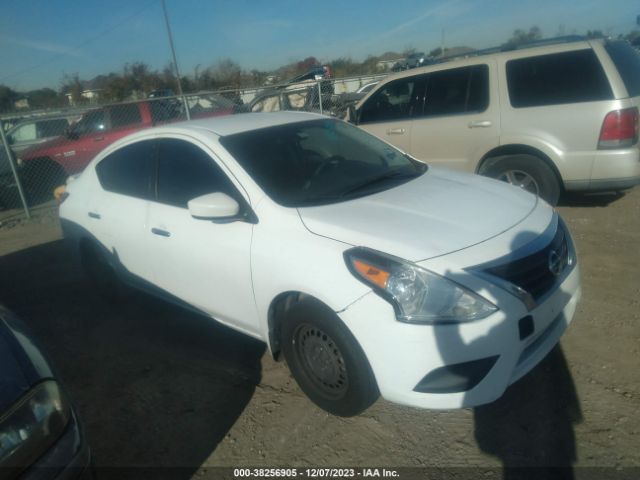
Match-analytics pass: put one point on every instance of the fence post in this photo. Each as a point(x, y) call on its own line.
point(320, 95)
point(14, 171)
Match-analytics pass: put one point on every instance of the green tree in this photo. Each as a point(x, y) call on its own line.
point(7, 97)
point(520, 36)
point(71, 84)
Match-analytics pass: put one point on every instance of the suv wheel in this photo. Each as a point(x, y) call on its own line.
point(527, 172)
point(327, 361)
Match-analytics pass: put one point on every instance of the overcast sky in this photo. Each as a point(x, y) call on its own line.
point(41, 40)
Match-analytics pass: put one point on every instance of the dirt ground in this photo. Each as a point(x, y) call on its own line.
point(160, 387)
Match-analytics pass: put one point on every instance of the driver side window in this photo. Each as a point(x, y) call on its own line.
point(395, 101)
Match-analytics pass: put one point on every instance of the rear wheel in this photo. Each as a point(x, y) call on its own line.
point(326, 360)
point(527, 172)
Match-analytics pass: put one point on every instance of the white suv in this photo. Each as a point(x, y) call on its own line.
point(372, 272)
point(548, 118)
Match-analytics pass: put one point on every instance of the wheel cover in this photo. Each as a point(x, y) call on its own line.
point(321, 360)
point(520, 179)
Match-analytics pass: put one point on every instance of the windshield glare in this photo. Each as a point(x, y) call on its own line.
point(319, 162)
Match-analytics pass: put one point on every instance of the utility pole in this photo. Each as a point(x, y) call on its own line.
point(175, 61)
point(441, 43)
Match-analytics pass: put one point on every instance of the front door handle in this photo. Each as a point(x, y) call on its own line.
point(395, 131)
point(98, 139)
point(95, 215)
point(480, 124)
point(159, 231)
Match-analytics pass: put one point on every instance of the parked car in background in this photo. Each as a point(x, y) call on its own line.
point(302, 92)
point(343, 101)
point(367, 88)
point(560, 115)
point(26, 134)
point(161, 93)
point(46, 165)
point(372, 272)
point(40, 434)
point(36, 130)
point(300, 96)
point(413, 60)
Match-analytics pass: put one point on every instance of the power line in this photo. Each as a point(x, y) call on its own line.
point(83, 44)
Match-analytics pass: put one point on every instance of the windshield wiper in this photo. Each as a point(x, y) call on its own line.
point(379, 179)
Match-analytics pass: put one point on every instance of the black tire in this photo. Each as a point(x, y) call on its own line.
point(9, 198)
point(100, 272)
point(540, 179)
point(326, 360)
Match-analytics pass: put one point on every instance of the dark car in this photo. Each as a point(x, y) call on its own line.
point(24, 135)
point(40, 435)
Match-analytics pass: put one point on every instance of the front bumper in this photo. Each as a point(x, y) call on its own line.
point(402, 355)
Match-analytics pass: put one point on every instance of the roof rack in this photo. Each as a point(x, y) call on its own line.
point(507, 47)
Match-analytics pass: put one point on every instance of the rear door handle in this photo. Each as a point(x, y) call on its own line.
point(159, 231)
point(395, 131)
point(480, 124)
point(97, 139)
point(95, 215)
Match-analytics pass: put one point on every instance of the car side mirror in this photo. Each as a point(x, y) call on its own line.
point(352, 114)
point(216, 206)
point(71, 134)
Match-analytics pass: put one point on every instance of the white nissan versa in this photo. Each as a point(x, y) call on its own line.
point(373, 273)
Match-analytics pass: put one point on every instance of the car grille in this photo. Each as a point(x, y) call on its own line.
point(533, 273)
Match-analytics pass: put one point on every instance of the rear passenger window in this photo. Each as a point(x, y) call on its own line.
point(627, 61)
point(395, 101)
point(568, 77)
point(130, 170)
point(52, 128)
point(185, 172)
point(122, 115)
point(459, 90)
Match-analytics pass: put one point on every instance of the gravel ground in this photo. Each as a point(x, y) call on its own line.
point(160, 387)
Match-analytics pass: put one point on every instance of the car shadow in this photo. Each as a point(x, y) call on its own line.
point(599, 199)
point(156, 387)
point(530, 428)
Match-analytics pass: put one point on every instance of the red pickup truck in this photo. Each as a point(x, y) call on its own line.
point(48, 164)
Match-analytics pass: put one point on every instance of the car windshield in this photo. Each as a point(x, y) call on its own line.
point(319, 162)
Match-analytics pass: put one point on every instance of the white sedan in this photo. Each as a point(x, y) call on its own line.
point(371, 272)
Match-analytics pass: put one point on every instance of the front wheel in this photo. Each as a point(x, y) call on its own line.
point(527, 172)
point(327, 361)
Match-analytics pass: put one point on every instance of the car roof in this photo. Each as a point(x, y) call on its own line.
point(554, 45)
point(242, 122)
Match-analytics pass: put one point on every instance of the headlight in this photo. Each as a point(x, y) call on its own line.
point(417, 295)
point(32, 425)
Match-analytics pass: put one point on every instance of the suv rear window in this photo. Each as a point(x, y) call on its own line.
point(627, 61)
point(567, 77)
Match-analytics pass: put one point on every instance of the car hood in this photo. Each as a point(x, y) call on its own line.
point(438, 213)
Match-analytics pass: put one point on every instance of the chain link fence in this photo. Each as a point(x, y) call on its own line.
point(40, 150)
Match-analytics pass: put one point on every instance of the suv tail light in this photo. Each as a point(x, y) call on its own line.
point(619, 129)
